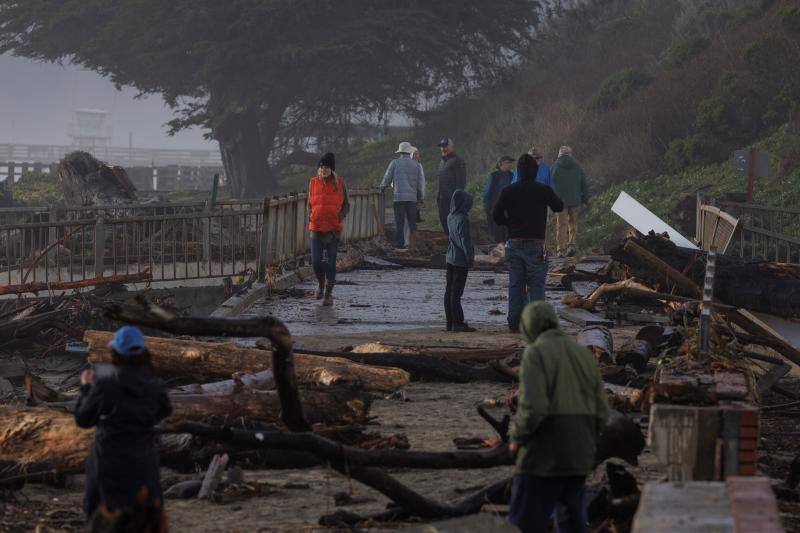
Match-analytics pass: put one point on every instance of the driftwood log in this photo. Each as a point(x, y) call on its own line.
point(421, 367)
point(50, 435)
point(199, 361)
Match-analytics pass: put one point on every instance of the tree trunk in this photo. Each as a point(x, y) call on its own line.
point(243, 157)
point(196, 361)
point(50, 435)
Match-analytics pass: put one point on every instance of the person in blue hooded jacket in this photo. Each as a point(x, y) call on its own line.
point(543, 174)
point(460, 258)
point(123, 470)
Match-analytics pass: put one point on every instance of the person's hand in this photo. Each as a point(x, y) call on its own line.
point(513, 448)
point(585, 205)
point(87, 377)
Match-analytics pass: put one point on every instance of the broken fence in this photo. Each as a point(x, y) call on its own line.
point(749, 230)
point(170, 241)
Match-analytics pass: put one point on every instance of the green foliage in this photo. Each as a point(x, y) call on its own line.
point(790, 18)
point(37, 189)
point(662, 193)
point(686, 50)
point(784, 107)
point(696, 149)
point(618, 87)
point(733, 111)
point(768, 55)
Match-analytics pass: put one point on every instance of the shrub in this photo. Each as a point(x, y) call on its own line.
point(619, 86)
point(37, 189)
point(790, 18)
point(696, 149)
point(684, 51)
point(768, 55)
point(784, 107)
point(733, 111)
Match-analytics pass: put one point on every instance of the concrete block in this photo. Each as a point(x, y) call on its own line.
point(690, 507)
point(684, 439)
point(753, 505)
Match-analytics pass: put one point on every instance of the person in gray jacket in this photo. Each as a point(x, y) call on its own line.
point(452, 176)
point(406, 178)
point(460, 258)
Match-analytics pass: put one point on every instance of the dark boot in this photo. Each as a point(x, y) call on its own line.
point(321, 288)
point(463, 328)
point(328, 300)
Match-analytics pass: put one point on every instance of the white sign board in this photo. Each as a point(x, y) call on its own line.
point(645, 221)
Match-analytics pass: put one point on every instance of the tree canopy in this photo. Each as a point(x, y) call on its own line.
point(256, 71)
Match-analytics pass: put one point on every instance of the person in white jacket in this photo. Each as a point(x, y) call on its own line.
point(405, 176)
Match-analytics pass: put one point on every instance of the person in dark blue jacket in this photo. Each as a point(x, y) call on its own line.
point(498, 180)
point(123, 470)
point(460, 258)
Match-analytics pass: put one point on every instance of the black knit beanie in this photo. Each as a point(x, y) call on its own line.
point(527, 167)
point(328, 160)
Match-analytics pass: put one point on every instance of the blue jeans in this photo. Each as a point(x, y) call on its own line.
point(527, 270)
point(331, 248)
point(534, 498)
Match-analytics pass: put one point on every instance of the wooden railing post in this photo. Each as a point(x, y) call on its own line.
point(99, 247)
point(263, 241)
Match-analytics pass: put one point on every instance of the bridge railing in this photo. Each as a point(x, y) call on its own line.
point(750, 230)
point(233, 239)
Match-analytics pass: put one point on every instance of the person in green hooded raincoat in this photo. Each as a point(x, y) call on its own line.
point(561, 411)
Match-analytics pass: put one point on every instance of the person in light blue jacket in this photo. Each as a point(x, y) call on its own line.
point(406, 178)
point(543, 175)
point(460, 258)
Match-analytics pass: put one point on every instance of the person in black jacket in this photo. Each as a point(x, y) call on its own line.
point(522, 207)
point(123, 470)
point(452, 175)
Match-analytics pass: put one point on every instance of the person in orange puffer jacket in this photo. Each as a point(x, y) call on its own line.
point(328, 207)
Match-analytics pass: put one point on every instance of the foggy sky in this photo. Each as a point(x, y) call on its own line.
point(37, 101)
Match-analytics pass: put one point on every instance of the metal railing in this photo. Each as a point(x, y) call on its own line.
point(750, 230)
point(232, 239)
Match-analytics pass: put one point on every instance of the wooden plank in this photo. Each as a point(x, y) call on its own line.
point(771, 377)
point(582, 317)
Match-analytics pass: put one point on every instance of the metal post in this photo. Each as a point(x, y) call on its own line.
point(99, 247)
point(751, 174)
point(708, 299)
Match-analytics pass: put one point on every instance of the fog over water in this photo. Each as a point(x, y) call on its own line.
point(37, 101)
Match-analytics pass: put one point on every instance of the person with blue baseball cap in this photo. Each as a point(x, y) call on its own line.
point(123, 470)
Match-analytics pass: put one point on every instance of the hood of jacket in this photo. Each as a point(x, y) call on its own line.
point(537, 318)
point(566, 162)
point(461, 202)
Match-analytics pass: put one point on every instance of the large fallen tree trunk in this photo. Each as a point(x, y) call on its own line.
point(199, 361)
point(50, 435)
point(421, 367)
point(755, 285)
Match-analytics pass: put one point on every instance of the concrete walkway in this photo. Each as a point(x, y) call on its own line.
point(379, 300)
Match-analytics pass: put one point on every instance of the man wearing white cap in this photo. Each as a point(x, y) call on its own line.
point(406, 178)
